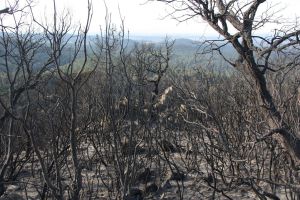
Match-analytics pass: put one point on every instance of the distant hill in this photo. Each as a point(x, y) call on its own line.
point(186, 51)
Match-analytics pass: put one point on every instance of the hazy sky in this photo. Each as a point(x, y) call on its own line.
point(142, 17)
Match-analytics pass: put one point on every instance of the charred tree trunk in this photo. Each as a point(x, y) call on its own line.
point(279, 128)
point(282, 134)
point(77, 179)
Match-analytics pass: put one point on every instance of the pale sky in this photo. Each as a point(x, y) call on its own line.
point(141, 17)
point(146, 18)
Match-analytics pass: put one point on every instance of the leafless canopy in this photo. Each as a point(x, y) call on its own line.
point(237, 21)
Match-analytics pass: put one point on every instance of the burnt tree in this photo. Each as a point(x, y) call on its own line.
point(236, 21)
